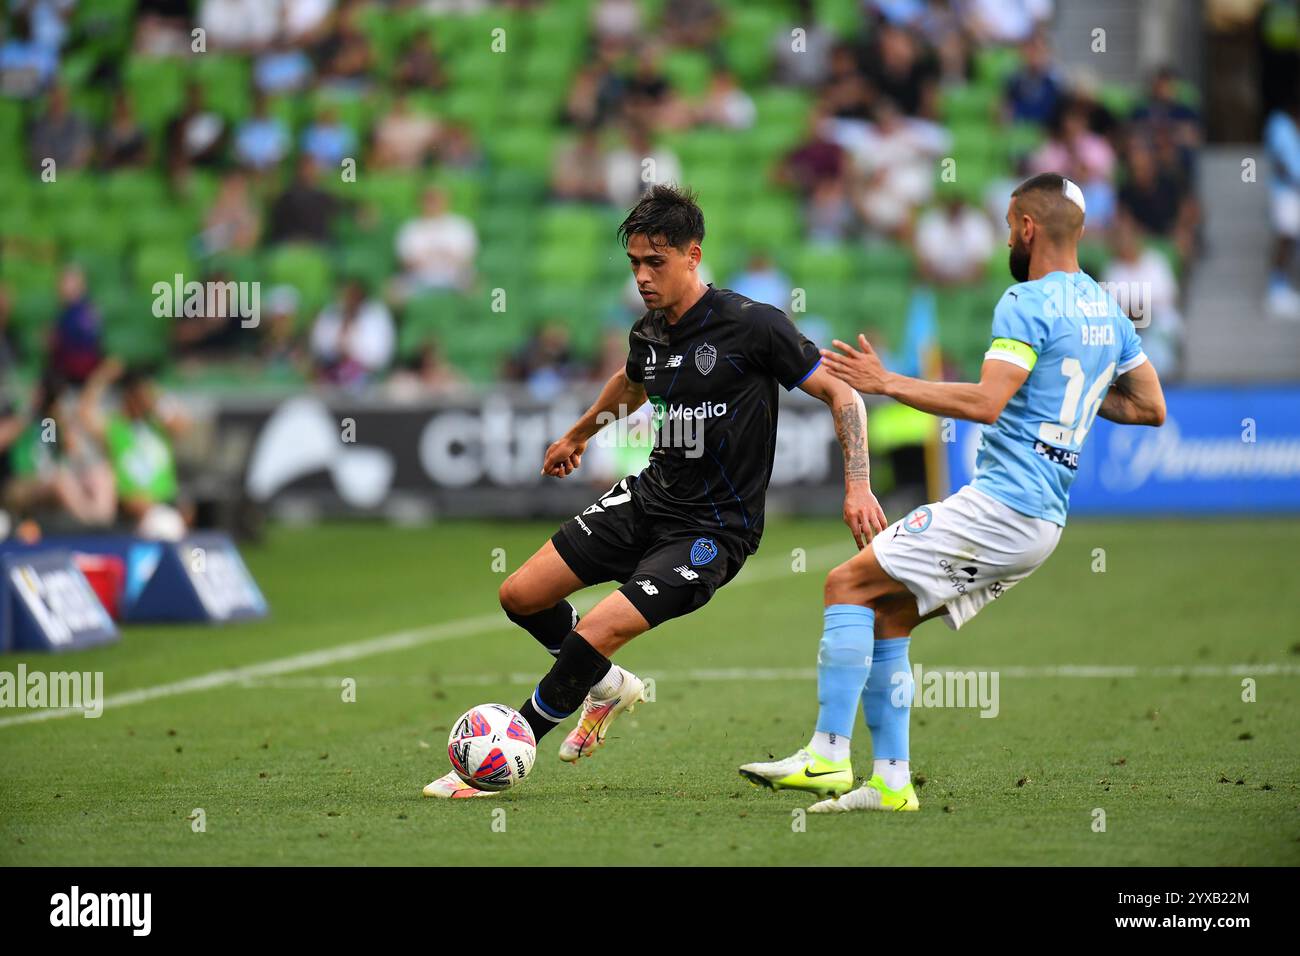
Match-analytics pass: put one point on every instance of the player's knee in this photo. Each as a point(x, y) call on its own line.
point(514, 598)
point(841, 585)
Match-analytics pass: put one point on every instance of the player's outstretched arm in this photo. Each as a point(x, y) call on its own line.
point(617, 400)
point(862, 513)
point(1135, 398)
point(980, 401)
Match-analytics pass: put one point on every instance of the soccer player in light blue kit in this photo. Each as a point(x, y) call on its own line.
point(1062, 353)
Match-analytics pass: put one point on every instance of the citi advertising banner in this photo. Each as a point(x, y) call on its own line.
point(1222, 450)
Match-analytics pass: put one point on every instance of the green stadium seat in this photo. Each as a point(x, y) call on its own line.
point(157, 88)
point(307, 269)
point(688, 71)
point(971, 104)
point(226, 82)
point(994, 65)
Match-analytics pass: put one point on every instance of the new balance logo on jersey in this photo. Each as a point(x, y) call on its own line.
point(686, 572)
point(648, 588)
point(674, 361)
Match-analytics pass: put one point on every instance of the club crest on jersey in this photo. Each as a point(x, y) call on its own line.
point(706, 356)
point(703, 551)
point(918, 520)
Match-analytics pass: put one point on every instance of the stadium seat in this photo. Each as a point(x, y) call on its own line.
point(308, 270)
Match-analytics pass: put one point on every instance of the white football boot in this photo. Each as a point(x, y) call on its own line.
point(804, 770)
point(598, 715)
point(450, 787)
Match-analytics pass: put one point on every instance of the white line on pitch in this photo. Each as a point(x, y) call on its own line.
point(752, 573)
point(711, 675)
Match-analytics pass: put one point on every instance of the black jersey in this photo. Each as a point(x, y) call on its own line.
point(712, 378)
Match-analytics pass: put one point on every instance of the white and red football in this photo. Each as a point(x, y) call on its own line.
point(491, 747)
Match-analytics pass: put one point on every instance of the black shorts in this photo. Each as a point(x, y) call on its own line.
point(667, 569)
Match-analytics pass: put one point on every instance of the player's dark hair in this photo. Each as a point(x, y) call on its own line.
point(1044, 182)
point(668, 212)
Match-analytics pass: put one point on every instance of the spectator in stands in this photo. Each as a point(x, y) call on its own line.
point(894, 170)
point(239, 25)
point(234, 222)
point(458, 149)
point(803, 60)
point(1165, 117)
point(196, 136)
point(139, 438)
point(27, 66)
point(419, 67)
point(303, 212)
point(637, 165)
point(1076, 152)
point(617, 23)
point(1005, 22)
point(403, 138)
point(123, 143)
point(10, 353)
point(262, 140)
point(428, 373)
point(212, 332)
point(76, 345)
point(846, 94)
point(648, 97)
point(437, 250)
point(282, 69)
point(941, 26)
point(829, 214)
point(1282, 140)
point(1160, 200)
point(898, 69)
point(545, 364)
point(1034, 93)
point(61, 135)
point(57, 470)
point(725, 104)
point(818, 159)
point(694, 24)
point(344, 59)
point(162, 28)
point(353, 339)
point(279, 347)
point(328, 141)
point(1144, 284)
point(596, 95)
point(578, 171)
point(306, 21)
point(762, 281)
point(953, 243)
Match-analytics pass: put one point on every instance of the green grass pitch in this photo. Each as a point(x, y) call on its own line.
point(286, 772)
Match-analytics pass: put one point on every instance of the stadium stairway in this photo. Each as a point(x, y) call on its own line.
point(1229, 335)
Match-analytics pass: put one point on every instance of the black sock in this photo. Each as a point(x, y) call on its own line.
point(549, 627)
point(562, 691)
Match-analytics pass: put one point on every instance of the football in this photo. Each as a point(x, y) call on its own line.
point(491, 747)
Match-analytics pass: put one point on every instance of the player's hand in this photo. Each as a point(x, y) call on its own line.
point(861, 369)
point(563, 457)
point(863, 514)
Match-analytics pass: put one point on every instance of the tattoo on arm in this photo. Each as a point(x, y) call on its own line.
point(850, 428)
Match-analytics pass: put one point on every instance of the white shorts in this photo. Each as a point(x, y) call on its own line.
point(963, 552)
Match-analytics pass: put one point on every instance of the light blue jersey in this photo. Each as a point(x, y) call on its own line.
point(1074, 339)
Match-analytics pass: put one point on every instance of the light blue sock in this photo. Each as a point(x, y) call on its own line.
point(887, 699)
point(843, 663)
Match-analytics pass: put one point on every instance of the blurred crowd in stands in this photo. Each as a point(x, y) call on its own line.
point(892, 93)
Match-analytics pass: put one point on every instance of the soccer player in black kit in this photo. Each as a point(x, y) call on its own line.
point(710, 362)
